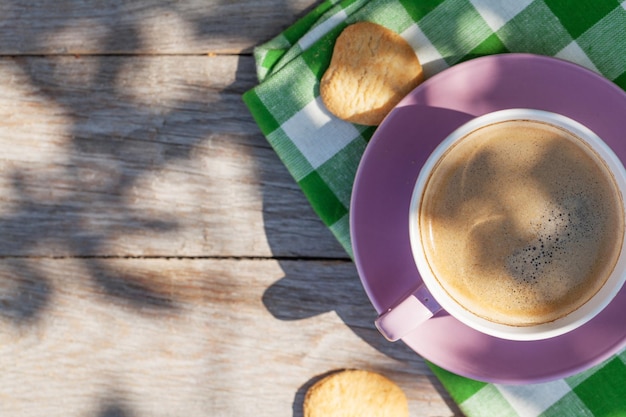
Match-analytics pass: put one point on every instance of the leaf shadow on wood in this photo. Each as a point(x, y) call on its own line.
point(69, 222)
point(114, 408)
point(22, 299)
point(229, 26)
point(314, 287)
point(112, 137)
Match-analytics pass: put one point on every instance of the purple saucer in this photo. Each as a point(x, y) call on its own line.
point(385, 180)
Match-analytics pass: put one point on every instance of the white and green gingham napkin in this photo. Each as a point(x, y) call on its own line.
point(322, 153)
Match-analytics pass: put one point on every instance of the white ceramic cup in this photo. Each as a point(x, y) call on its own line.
point(430, 297)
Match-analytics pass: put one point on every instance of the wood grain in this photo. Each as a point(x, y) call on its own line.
point(51, 27)
point(90, 350)
point(143, 156)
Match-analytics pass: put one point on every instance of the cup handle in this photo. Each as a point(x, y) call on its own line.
point(406, 315)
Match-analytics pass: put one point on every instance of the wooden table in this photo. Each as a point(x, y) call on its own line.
point(157, 258)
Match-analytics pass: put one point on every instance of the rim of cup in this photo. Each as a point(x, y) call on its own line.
point(522, 333)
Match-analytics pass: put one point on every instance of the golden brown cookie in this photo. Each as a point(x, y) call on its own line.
point(372, 68)
point(355, 393)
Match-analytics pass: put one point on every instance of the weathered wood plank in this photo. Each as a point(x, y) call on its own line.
point(143, 27)
point(143, 156)
point(188, 337)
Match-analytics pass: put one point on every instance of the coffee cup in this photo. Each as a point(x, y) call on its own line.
point(516, 226)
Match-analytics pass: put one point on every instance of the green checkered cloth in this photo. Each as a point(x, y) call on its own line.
point(322, 153)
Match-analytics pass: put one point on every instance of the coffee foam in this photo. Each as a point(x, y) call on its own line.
point(520, 223)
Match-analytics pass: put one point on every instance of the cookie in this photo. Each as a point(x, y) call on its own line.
point(355, 393)
point(371, 69)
